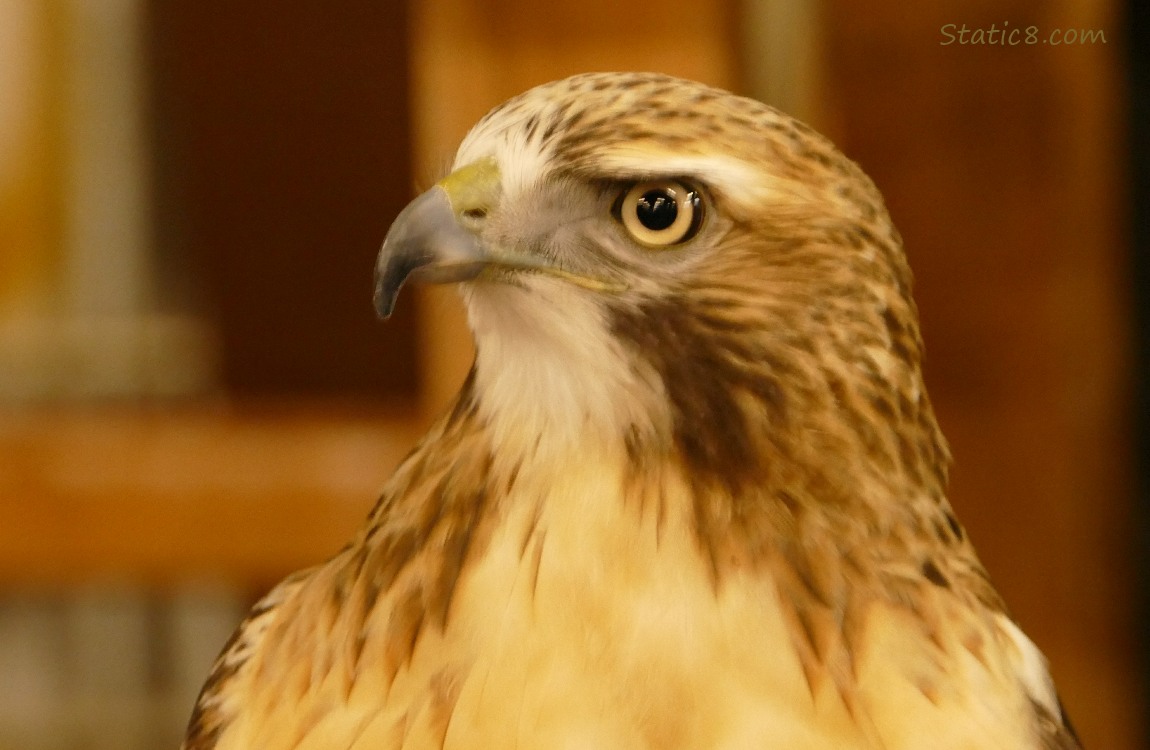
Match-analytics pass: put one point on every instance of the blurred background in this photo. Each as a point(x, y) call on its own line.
point(196, 399)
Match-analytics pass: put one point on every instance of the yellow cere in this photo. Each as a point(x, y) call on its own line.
point(474, 187)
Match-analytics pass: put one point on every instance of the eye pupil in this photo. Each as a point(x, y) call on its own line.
point(656, 210)
point(659, 213)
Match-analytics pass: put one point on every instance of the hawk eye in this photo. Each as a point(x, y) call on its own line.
point(660, 213)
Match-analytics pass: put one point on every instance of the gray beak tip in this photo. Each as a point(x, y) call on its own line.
point(428, 244)
point(384, 303)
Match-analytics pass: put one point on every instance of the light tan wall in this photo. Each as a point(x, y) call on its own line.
point(469, 56)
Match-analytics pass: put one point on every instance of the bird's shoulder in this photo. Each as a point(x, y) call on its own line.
point(223, 689)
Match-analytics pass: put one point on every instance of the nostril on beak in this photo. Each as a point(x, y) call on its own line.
point(473, 218)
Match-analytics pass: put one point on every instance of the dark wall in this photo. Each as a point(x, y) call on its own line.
point(283, 153)
point(1139, 79)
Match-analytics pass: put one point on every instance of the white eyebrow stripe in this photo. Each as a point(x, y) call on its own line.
point(715, 168)
point(739, 181)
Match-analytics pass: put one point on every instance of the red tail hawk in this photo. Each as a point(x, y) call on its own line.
point(692, 494)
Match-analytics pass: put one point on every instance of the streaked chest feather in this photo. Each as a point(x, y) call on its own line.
point(592, 619)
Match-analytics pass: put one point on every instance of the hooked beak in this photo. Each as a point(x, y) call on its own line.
point(428, 242)
point(436, 239)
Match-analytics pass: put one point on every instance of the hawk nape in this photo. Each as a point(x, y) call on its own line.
point(692, 494)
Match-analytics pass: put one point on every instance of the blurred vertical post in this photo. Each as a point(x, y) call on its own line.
point(107, 285)
point(80, 314)
point(30, 189)
point(782, 58)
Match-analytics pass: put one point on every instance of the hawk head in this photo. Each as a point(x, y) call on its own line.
point(657, 264)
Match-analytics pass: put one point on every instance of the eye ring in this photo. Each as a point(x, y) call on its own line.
point(660, 213)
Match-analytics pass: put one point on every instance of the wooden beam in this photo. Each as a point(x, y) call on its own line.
point(160, 496)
